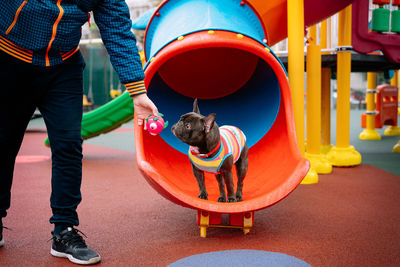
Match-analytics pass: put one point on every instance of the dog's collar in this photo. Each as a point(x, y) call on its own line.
point(196, 153)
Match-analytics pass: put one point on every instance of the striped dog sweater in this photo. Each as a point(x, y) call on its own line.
point(232, 143)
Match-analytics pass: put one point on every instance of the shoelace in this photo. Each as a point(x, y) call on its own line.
point(1, 230)
point(4, 227)
point(72, 237)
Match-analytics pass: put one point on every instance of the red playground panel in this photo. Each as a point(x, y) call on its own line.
point(386, 107)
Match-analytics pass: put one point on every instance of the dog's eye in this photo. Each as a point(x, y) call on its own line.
point(187, 125)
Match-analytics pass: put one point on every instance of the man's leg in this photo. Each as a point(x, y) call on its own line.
point(16, 109)
point(61, 107)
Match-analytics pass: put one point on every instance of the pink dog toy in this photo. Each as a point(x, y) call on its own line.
point(155, 124)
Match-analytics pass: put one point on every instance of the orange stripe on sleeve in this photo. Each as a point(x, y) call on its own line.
point(12, 53)
point(69, 54)
point(136, 88)
point(15, 47)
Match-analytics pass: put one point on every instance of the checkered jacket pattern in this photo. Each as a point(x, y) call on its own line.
point(47, 32)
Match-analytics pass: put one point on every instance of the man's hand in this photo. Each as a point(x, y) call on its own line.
point(143, 108)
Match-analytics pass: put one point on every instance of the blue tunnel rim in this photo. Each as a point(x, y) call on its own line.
point(263, 39)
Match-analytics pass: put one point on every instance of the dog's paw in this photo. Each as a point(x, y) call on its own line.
point(239, 198)
point(222, 199)
point(231, 199)
point(203, 196)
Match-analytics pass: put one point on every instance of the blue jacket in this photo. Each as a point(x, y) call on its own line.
point(47, 32)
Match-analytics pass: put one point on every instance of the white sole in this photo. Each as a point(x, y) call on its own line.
point(74, 260)
point(2, 242)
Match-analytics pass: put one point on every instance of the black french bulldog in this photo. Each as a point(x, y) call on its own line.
point(214, 149)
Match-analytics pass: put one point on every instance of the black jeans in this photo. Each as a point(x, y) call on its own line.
point(57, 92)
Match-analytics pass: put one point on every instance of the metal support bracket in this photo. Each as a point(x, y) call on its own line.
point(344, 48)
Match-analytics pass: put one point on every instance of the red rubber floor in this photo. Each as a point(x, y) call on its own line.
point(350, 218)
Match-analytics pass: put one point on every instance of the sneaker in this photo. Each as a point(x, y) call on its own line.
point(69, 244)
point(1, 235)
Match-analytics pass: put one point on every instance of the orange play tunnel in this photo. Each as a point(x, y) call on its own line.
point(217, 51)
point(251, 93)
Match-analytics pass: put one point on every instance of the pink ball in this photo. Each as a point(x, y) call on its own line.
point(155, 124)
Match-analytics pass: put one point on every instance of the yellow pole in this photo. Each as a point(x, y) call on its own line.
point(398, 86)
point(312, 35)
point(324, 40)
point(296, 64)
point(393, 130)
point(397, 74)
point(329, 42)
point(324, 35)
point(295, 16)
point(369, 133)
point(343, 154)
point(395, 80)
point(343, 83)
point(326, 110)
point(396, 148)
point(313, 154)
point(325, 95)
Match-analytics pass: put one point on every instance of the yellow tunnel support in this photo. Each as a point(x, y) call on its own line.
point(204, 223)
point(343, 154)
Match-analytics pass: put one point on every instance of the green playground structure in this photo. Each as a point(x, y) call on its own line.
point(107, 117)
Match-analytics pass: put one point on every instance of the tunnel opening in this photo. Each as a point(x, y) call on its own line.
point(239, 86)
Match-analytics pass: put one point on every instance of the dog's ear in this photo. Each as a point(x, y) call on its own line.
point(196, 107)
point(209, 122)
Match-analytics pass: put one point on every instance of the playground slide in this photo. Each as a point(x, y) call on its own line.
point(217, 51)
